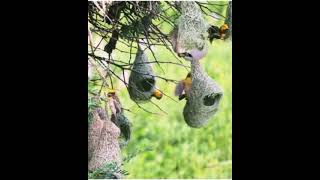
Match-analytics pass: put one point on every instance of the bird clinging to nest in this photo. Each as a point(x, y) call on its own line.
point(183, 87)
point(157, 94)
point(117, 115)
point(223, 31)
point(217, 33)
point(204, 96)
point(142, 82)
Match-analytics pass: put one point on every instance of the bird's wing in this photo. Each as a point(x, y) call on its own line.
point(179, 88)
point(112, 106)
point(117, 103)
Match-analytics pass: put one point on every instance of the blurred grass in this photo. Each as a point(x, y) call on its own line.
point(178, 150)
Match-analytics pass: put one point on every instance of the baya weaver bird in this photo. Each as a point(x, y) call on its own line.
point(184, 87)
point(157, 94)
point(117, 116)
point(217, 33)
point(114, 101)
point(223, 31)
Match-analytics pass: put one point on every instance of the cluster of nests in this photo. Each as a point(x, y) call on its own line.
point(202, 94)
point(190, 41)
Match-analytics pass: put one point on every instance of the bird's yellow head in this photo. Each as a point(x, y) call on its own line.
point(111, 92)
point(157, 94)
point(224, 28)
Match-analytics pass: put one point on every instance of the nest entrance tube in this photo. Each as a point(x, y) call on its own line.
point(142, 79)
point(211, 100)
point(204, 98)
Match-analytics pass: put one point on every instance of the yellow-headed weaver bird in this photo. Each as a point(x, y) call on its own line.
point(114, 101)
point(184, 87)
point(217, 33)
point(157, 94)
point(223, 30)
point(117, 116)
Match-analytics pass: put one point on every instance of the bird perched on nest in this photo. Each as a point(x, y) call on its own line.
point(113, 98)
point(157, 94)
point(142, 81)
point(217, 33)
point(184, 87)
point(204, 96)
point(117, 116)
point(223, 31)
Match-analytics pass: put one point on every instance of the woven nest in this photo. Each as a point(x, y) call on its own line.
point(142, 79)
point(103, 145)
point(192, 27)
point(203, 100)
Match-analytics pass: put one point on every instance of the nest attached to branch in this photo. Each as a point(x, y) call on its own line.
point(142, 82)
point(192, 27)
point(203, 100)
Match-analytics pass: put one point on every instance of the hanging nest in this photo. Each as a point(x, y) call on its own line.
point(142, 82)
point(192, 27)
point(203, 99)
point(103, 145)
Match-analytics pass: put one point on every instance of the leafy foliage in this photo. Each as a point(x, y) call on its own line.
point(107, 171)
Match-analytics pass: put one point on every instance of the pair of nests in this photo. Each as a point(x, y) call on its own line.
point(189, 41)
